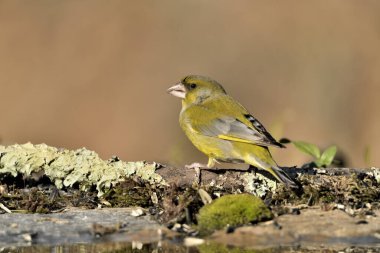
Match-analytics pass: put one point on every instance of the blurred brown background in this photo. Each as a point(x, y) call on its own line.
point(95, 73)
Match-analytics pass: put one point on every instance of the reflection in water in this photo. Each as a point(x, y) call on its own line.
point(169, 247)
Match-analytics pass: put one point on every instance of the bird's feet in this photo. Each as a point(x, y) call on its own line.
point(253, 168)
point(197, 167)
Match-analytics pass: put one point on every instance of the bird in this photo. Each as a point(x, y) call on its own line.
point(221, 128)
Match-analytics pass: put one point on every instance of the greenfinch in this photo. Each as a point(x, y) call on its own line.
point(222, 128)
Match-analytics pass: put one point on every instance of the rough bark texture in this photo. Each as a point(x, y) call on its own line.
point(43, 179)
point(85, 171)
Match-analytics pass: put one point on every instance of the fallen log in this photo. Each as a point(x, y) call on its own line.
point(81, 174)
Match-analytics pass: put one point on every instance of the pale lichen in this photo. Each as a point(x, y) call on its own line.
point(257, 184)
point(375, 172)
point(68, 167)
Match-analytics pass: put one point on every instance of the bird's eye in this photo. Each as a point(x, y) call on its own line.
point(193, 86)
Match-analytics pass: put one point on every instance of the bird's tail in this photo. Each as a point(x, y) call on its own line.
point(281, 176)
point(260, 157)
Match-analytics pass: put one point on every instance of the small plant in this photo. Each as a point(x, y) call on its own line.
point(322, 159)
point(367, 156)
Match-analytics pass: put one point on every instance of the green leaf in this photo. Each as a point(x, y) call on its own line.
point(308, 148)
point(327, 156)
point(367, 156)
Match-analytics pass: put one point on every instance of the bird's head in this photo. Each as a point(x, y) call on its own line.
point(196, 89)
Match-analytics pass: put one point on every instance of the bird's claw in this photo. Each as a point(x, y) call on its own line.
point(197, 167)
point(253, 168)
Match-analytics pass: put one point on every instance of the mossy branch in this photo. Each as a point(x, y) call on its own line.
point(84, 168)
point(68, 167)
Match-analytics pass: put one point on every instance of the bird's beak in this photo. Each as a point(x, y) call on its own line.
point(177, 90)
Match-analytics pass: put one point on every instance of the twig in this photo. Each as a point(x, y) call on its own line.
point(5, 208)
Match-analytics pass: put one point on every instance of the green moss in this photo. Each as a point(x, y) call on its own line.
point(220, 248)
point(355, 190)
point(233, 210)
point(129, 193)
point(328, 198)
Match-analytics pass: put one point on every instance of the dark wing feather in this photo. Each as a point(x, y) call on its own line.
point(261, 129)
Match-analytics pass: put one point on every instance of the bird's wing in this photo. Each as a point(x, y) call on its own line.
point(232, 129)
point(244, 129)
point(267, 137)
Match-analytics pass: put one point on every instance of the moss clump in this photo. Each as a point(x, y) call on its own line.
point(233, 210)
point(129, 193)
point(220, 248)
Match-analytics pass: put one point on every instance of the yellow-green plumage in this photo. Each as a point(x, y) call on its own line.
point(223, 129)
